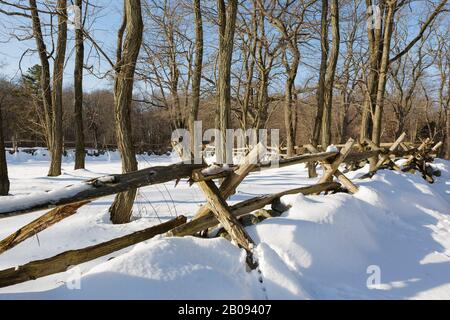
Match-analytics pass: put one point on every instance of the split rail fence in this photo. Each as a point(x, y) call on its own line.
point(216, 216)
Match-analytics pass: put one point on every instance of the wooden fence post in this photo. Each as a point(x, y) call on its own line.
point(222, 212)
point(229, 185)
point(393, 148)
point(332, 168)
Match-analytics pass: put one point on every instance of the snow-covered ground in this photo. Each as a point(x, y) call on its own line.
point(396, 229)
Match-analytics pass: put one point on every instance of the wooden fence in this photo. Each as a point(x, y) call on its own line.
point(216, 211)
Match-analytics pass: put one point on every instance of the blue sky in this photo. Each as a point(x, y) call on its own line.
point(107, 21)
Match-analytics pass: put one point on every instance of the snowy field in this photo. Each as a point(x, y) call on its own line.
point(395, 229)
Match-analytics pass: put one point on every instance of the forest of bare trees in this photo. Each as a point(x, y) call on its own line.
point(320, 71)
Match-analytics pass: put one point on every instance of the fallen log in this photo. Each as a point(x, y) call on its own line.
point(40, 224)
point(246, 207)
point(95, 188)
point(61, 262)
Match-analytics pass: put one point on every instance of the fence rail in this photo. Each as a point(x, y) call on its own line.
point(215, 212)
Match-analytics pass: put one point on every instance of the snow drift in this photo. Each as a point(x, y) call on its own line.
point(396, 229)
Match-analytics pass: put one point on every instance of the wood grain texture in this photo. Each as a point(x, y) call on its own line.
point(61, 262)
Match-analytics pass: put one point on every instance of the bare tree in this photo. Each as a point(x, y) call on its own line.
point(405, 75)
point(348, 82)
point(128, 47)
point(227, 14)
point(4, 181)
point(259, 50)
point(330, 74)
point(288, 18)
point(322, 126)
point(324, 48)
point(441, 49)
point(167, 67)
point(52, 94)
point(198, 65)
point(380, 36)
point(80, 152)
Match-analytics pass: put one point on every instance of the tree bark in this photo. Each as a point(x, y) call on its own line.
point(374, 36)
point(58, 74)
point(45, 81)
point(4, 181)
point(382, 77)
point(447, 129)
point(322, 74)
point(330, 74)
point(80, 152)
point(121, 209)
point(289, 112)
point(227, 23)
point(197, 75)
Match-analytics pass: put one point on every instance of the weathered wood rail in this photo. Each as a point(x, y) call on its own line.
point(246, 207)
point(97, 188)
point(63, 261)
point(66, 201)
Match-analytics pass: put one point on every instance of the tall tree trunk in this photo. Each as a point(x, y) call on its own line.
point(330, 74)
point(374, 33)
point(323, 69)
point(80, 152)
point(290, 114)
point(289, 117)
point(4, 181)
point(384, 66)
point(382, 78)
point(227, 23)
point(128, 51)
point(447, 136)
point(58, 74)
point(197, 75)
point(174, 79)
point(263, 100)
point(365, 128)
point(264, 62)
point(400, 125)
point(344, 123)
point(46, 90)
point(446, 108)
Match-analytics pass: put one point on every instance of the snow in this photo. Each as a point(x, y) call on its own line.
point(16, 203)
point(212, 170)
point(324, 247)
point(154, 270)
point(332, 148)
